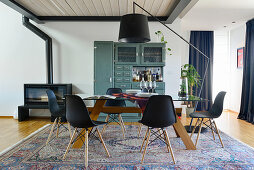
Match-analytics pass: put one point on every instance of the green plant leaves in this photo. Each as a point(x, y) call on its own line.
point(162, 38)
point(192, 75)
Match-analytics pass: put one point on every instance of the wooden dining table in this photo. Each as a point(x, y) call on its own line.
point(100, 108)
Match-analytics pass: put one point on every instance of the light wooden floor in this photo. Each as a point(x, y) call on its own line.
point(12, 131)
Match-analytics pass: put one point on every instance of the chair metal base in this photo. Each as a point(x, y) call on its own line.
point(190, 128)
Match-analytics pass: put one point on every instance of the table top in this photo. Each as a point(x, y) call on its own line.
point(133, 97)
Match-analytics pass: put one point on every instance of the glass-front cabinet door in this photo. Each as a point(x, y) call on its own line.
point(127, 53)
point(153, 54)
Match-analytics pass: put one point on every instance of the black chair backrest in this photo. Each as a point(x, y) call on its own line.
point(52, 102)
point(159, 112)
point(217, 106)
point(76, 111)
point(111, 91)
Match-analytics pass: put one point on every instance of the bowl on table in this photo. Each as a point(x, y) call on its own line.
point(146, 94)
point(133, 91)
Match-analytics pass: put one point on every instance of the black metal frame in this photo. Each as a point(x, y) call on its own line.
point(48, 43)
point(179, 6)
point(88, 18)
point(81, 135)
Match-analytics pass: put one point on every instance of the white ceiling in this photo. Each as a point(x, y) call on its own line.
point(95, 7)
point(215, 14)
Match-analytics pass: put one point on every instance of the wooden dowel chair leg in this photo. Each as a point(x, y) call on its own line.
point(165, 138)
point(69, 145)
point(194, 128)
point(102, 141)
point(58, 125)
point(218, 133)
point(104, 127)
point(121, 123)
point(211, 124)
point(147, 140)
point(51, 131)
point(200, 127)
point(144, 139)
point(86, 149)
point(170, 148)
point(69, 127)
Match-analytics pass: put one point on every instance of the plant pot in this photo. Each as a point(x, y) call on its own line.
point(183, 87)
point(189, 110)
point(182, 94)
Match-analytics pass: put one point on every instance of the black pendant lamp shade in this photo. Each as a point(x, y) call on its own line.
point(134, 29)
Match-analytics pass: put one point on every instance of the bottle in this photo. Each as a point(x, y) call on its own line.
point(134, 76)
point(137, 77)
point(160, 78)
point(157, 77)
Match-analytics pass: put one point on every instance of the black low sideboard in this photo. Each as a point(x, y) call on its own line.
point(35, 97)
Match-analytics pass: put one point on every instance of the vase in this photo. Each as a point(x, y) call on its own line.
point(183, 87)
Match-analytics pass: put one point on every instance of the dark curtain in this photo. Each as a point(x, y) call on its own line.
point(204, 41)
point(247, 99)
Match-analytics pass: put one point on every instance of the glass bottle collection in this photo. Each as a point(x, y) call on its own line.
point(148, 75)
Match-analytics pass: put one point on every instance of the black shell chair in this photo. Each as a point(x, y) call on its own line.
point(57, 113)
point(112, 117)
point(159, 114)
point(214, 112)
point(78, 117)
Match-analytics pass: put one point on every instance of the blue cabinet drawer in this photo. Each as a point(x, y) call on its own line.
point(119, 73)
point(121, 80)
point(127, 74)
point(161, 92)
point(127, 79)
point(135, 85)
point(123, 85)
point(118, 79)
point(118, 67)
point(126, 68)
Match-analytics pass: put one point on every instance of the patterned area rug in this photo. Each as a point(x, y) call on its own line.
point(33, 154)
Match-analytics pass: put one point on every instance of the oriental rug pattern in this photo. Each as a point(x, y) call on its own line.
point(33, 154)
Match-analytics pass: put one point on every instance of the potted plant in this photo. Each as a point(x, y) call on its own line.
point(190, 73)
point(183, 88)
point(161, 38)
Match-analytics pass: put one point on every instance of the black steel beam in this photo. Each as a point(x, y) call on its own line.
point(177, 9)
point(90, 18)
point(48, 41)
point(22, 10)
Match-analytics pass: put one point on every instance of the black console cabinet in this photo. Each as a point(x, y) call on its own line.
point(35, 97)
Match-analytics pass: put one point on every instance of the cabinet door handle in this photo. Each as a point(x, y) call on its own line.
point(136, 54)
point(110, 79)
point(142, 54)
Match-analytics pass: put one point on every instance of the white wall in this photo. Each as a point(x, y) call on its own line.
point(221, 66)
point(22, 56)
point(237, 40)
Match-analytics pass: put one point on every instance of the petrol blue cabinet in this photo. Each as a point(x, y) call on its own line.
point(114, 63)
point(103, 66)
